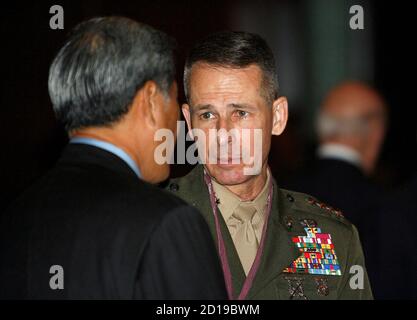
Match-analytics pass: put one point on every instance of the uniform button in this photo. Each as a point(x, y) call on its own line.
point(290, 198)
point(174, 187)
point(288, 222)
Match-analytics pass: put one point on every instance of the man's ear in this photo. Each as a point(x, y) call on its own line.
point(279, 115)
point(187, 115)
point(146, 101)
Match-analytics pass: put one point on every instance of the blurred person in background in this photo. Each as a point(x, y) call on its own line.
point(351, 126)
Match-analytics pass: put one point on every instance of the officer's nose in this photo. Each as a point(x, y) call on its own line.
point(223, 129)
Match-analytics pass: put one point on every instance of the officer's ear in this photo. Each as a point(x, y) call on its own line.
point(279, 115)
point(187, 115)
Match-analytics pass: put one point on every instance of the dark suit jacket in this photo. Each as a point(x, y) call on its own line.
point(115, 236)
point(343, 186)
point(398, 240)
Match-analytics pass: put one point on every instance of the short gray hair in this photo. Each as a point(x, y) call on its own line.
point(328, 126)
point(97, 73)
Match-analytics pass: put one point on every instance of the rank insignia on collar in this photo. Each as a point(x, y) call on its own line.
point(317, 254)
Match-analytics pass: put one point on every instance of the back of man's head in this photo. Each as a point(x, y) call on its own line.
point(97, 73)
point(353, 114)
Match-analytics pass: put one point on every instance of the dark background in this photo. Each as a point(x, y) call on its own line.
point(301, 34)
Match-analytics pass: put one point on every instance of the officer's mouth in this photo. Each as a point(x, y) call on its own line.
point(228, 162)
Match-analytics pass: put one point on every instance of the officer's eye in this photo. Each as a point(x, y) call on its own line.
point(207, 115)
point(242, 114)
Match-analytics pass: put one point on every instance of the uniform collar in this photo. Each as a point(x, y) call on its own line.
point(228, 201)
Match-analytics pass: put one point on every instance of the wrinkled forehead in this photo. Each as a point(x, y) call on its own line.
point(219, 85)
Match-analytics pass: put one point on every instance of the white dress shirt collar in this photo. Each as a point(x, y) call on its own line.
point(340, 152)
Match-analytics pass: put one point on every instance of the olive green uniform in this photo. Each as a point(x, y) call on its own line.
point(290, 212)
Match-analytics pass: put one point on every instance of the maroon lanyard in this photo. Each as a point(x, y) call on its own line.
point(222, 248)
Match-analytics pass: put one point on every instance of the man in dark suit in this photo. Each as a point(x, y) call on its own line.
point(94, 227)
point(351, 128)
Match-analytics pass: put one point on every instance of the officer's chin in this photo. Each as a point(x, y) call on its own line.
point(228, 174)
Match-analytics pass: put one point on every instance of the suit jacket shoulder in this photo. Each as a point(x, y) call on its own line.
point(108, 230)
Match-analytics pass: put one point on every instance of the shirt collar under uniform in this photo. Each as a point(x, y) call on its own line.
point(229, 201)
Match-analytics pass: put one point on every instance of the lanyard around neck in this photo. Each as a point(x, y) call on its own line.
point(222, 248)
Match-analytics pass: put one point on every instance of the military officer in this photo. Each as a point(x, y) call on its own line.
point(272, 243)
